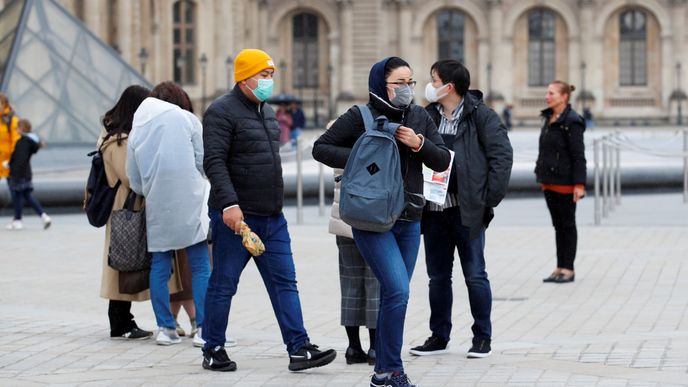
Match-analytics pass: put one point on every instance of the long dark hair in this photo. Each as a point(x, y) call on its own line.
point(117, 121)
point(173, 93)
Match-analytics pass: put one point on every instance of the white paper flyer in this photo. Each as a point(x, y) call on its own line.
point(435, 184)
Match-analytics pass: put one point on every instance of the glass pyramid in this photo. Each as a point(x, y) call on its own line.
point(56, 73)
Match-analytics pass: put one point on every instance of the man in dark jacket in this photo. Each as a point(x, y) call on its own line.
point(480, 174)
point(242, 162)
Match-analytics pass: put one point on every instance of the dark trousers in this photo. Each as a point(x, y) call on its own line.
point(276, 267)
point(18, 198)
point(442, 234)
point(563, 211)
point(121, 319)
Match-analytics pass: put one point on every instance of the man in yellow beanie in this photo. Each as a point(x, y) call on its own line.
point(242, 162)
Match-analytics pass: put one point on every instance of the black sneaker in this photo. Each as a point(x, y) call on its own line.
point(481, 348)
point(135, 334)
point(309, 356)
point(433, 346)
point(394, 380)
point(216, 359)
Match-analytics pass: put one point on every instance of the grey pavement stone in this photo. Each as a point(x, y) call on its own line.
point(624, 322)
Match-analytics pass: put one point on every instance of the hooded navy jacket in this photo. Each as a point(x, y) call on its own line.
point(334, 146)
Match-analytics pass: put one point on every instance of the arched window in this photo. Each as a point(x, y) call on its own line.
point(184, 17)
point(633, 48)
point(305, 50)
point(541, 47)
point(450, 35)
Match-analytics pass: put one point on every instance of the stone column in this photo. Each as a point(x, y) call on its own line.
point(585, 49)
point(495, 51)
point(405, 48)
point(678, 20)
point(124, 28)
point(344, 78)
point(92, 18)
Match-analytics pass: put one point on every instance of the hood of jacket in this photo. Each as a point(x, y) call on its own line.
point(151, 108)
point(377, 89)
point(471, 101)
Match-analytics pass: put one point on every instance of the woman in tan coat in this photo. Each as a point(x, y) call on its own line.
point(119, 287)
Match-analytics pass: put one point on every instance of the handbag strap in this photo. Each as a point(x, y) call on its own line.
point(129, 202)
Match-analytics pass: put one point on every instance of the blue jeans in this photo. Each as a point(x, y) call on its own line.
point(391, 256)
point(24, 192)
point(276, 267)
point(442, 233)
point(161, 269)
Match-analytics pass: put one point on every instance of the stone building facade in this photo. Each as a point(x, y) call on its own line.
point(626, 57)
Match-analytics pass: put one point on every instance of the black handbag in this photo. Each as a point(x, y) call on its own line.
point(128, 242)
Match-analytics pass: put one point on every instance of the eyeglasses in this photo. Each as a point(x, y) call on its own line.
point(402, 83)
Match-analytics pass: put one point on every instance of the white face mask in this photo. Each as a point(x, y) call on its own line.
point(432, 93)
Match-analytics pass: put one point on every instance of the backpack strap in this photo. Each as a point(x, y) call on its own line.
point(367, 115)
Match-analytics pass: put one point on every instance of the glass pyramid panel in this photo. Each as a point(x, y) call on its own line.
point(9, 20)
point(58, 74)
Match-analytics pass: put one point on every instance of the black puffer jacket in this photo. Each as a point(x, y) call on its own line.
point(334, 146)
point(241, 155)
point(483, 158)
point(20, 161)
point(561, 159)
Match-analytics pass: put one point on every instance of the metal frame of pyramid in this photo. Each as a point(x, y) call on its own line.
point(57, 73)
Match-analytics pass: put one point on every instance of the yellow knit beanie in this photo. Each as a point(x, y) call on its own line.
point(250, 62)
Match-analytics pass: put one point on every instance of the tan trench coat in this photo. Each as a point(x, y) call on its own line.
point(115, 157)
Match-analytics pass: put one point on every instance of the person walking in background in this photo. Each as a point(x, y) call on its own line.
point(481, 144)
point(284, 121)
point(392, 254)
point(113, 145)
point(360, 290)
point(164, 164)
point(242, 161)
point(506, 116)
point(299, 121)
point(588, 117)
point(20, 177)
point(560, 170)
point(8, 134)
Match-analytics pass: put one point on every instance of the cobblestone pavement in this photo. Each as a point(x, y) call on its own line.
point(624, 322)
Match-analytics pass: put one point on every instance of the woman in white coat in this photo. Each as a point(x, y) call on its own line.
point(165, 165)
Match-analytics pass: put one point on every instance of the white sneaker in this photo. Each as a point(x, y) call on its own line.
point(197, 339)
point(167, 336)
point(46, 220)
point(15, 225)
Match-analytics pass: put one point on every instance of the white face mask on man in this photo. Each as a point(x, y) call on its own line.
point(432, 93)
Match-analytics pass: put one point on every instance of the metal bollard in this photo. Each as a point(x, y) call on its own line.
point(605, 177)
point(685, 165)
point(612, 175)
point(596, 153)
point(299, 182)
point(618, 173)
point(321, 189)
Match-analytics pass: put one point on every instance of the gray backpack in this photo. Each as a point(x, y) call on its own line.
point(372, 192)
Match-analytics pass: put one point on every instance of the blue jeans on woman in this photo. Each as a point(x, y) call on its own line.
point(161, 269)
point(276, 267)
point(392, 257)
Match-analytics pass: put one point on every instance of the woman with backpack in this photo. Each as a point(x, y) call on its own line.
point(113, 145)
point(391, 254)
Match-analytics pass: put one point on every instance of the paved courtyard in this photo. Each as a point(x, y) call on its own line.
point(624, 322)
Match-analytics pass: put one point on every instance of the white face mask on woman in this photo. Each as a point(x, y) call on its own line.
point(432, 92)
